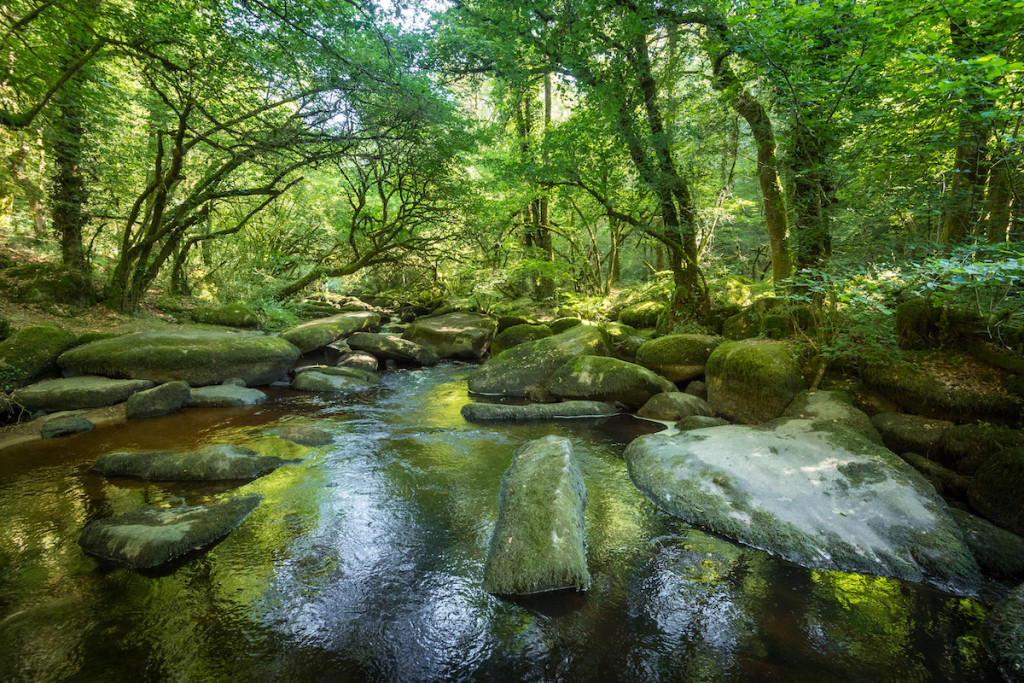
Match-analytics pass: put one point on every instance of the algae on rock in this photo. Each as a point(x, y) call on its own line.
point(538, 543)
point(30, 353)
point(678, 357)
point(599, 378)
point(753, 381)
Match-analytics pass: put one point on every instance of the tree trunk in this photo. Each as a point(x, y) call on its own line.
point(997, 203)
point(813, 196)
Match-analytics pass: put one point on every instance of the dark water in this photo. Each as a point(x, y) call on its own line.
point(364, 562)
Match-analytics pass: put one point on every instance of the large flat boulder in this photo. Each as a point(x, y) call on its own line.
point(160, 400)
point(465, 336)
point(598, 378)
point(210, 463)
point(317, 333)
point(538, 542)
point(152, 536)
point(199, 357)
point(527, 368)
point(78, 393)
point(485, 412)
point(813, 492)
point(387, 347)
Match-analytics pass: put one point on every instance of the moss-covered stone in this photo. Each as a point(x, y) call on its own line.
point(160, 400)
point(674, 405)
point(600, 378)
point(151, 536)
point(78, 393)
point(965, 448)
point(678, 357)
point(199, 357)
point(995, 490)
point(30, 354)
point(236, 314)
point(303, 435)
point(317, 333)
point(89, 337)
point(65, 424)
point(528, 367)
point(1003, 634)
point(539, 543)
point(562, 324)
point(387, 347)
point(465, 336)
point(210, 463)
point(753, 381)
point(902, 433)
point(833, 407)
point(225, 396)
point(315, 381)
point(644, 314)
point(999, 552)
point(361, 374)
point(811, 491)
point(518, 334)
point(507, 321)
point(920, 324)
point(947, 483)
point(699, 422)
point(625, 340)
point(487, 412)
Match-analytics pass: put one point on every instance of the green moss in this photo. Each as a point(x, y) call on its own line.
point(211, 463)
point(601, 378)
point(998, 551)
point(235, 314)
point(642, 315)
point(507, 321)
point(538, 543)
point(920, 324)
point(753, 381)
point(562, 324)
point(678, 357)
point(965, 448)
point(995, 489)
point(30, 354)
point(518, 334)
point(861, 474)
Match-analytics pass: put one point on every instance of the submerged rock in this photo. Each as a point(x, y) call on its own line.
point(600, 378)
point(225, 396)
point(386, 347)
point(210, 463)
point(199, 357)
point(815, 493)
point(753, 381)
point(536, 411)
point(321, 332)
point(151, 536)
point(160, 400)
point(528, 367)
point(78, 393)
point(1003, 634)
point(64, 425)
point(678, 357)
point(304, 436)
point(674, 405)
point(465, 336)
point(538, 543)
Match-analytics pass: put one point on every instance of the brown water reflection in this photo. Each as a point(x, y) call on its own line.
point(365, 559)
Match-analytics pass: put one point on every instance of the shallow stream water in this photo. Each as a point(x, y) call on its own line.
point(365, 559)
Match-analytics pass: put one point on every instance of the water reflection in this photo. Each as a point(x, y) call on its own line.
point(365, 560)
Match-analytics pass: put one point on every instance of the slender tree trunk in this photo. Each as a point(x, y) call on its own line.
point(997, 203)
point(813, 195)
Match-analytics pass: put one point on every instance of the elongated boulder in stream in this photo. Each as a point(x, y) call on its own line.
point(528, 367)
point(199, 357)
point(225, 396)
point(78, 393)
point(483, 412)
point(321, 332)
point(465, 336)
point(210, 463)
point(599, 378)
point(814, 492)
point(151, 536)
point(538, 543)
point(387, 347)
point(328, 380)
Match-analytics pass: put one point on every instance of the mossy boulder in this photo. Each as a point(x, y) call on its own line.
point(920, 324)
point(995, 489)
point(236, 314)
point(78, 393)
point(599, 378)
point(65, 424)
point(901, 433)
point(465, 336)
point(965, 448)
point(160, 400)
point(225, 396)
point(691, 422)
point(518, 334)
point(999, 552)
point(507, 321)
point(562, 324)
point(304, 435)
point(317, 333)
point(150, 536)
point(644, 314)
point(832, 406)
point(199, 357)
point(538, 543)
point(487, 412)
point(387, 347)
point(753, 381)
point(1003, 634)
point(30, 354)
point(358, 359)
point(947, 483)
point(813, 492)
point(948, 386)
point(678, 357)
point(761, 318)
point(674, 405)
point(625, 340)
point(315, 380)
point(528, 367)
point(217, 462)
